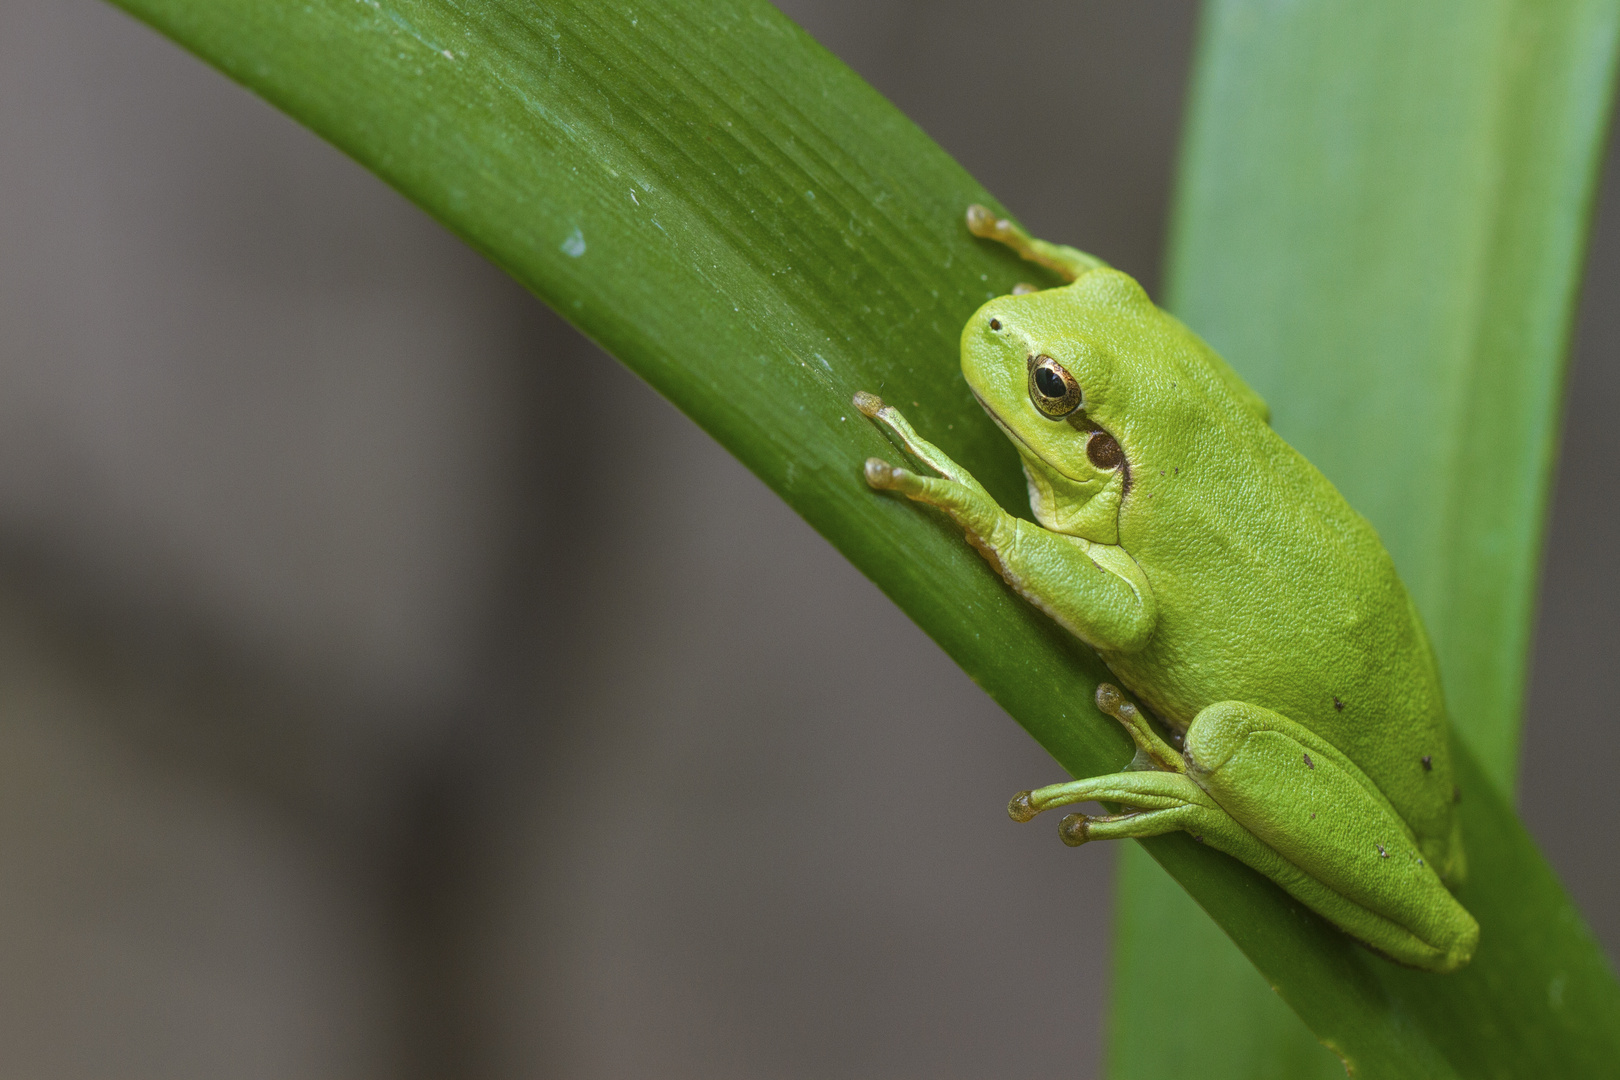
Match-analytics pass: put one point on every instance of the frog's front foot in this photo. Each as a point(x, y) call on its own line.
point(1066, 261)
point(983, 222)
point(882, 476)
point(918, 447)
point(969, 506)
point(869, 404)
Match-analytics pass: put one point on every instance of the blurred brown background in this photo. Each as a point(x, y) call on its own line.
point(353, 723)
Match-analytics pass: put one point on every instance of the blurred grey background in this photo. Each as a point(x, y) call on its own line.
point(352, 724)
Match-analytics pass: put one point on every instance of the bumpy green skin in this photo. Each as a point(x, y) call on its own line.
point(1233, 591)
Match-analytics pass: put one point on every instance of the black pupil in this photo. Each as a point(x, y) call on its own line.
point(1049, 383)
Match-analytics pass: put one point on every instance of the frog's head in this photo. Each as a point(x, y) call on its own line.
point(1056, 370)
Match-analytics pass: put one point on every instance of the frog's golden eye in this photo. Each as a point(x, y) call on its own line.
point(1053, 390)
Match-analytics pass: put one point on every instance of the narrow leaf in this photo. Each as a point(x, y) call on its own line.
point(751, 228)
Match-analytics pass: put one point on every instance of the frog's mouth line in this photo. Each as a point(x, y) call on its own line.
point(1019, 439)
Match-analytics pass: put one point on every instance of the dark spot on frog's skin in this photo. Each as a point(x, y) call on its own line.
point(1382, 854)
point(1338, 705)
point(1428, 763)
point(1103, 451)
point(1196, 837)
point(995, 324)
point(1313, 817)
point(1309, 764)
point(1456, 794)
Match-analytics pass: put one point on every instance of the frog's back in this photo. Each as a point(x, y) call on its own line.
point(1273, 590)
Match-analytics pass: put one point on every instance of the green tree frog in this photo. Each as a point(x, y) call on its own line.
point(1229, 587)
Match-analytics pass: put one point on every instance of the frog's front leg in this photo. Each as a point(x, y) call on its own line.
point(1066, 261)
point(1095, 591)
point(1278, 797)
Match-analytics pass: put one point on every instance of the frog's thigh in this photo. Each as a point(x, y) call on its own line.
point(1311, 805)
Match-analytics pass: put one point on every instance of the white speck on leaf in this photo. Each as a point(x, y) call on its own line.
point(633, 197)
point(574, 246)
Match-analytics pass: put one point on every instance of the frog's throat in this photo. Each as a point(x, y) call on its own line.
point(1068, 504)
point(1089, 510)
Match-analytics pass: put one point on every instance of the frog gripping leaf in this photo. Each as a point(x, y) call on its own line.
point(1229, 587)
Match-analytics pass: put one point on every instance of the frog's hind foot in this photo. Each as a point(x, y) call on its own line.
point(1159, 754)
point(1019, 808)
point(1075, 829)
point(1157, 802)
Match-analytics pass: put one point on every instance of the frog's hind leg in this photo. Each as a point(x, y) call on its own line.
point(1157, 802)
point(1273, 794)
point(1158, 753)
point(1159, 797)
point(1066, 261)
point(1154, 803)
point(1302, 799)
